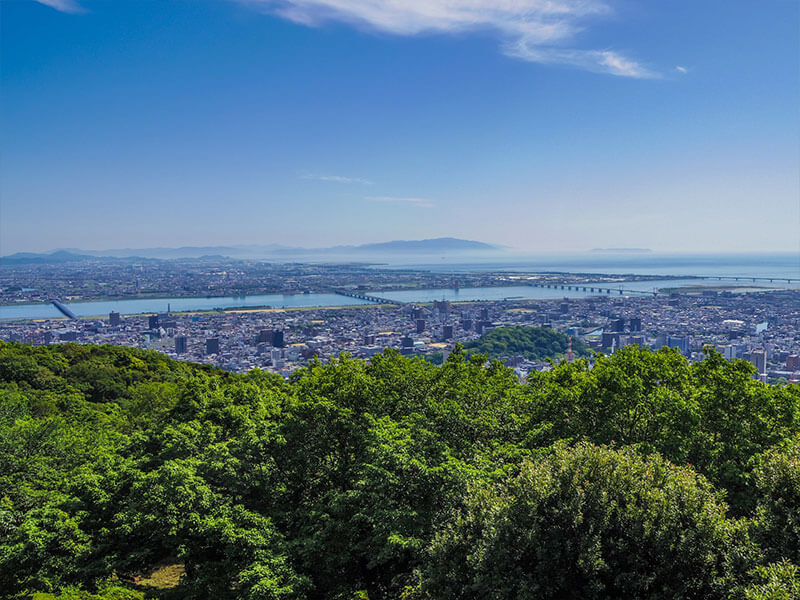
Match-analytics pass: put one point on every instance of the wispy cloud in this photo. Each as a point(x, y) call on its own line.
point(532, 30)
point(67, 6)
point(681, 69)
point(599, 61)
point(337, 179)
point(418, 202)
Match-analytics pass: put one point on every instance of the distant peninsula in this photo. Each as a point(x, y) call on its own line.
point(428, 246)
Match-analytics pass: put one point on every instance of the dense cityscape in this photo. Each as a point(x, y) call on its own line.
point(760, 326)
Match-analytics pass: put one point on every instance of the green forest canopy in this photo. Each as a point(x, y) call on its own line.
point(642, 477)
point(533, 343)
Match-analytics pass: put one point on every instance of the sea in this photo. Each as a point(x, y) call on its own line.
point(785, 265)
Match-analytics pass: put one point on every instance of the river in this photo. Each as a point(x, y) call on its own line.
point(144, 306)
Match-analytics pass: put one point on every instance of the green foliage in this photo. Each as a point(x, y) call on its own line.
point(395, 478)
point(711, 415)
point(109, 593)
point(776, 581)
point(534, 343)
point(588, 522)
point(777, 481)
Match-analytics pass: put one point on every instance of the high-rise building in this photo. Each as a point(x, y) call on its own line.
point(152, 322)
point(467, 324)
point(617, 325)
point(180, 344)
point(443, 306)
point(420, 323)
point(369, 340)
point(407, 342)
point(484, 314)
point(447, 332)
point(759, 359)
point(728, 351)
point(609, 341)
point(793, 362)
point(277, 339)
point(681, 342)
point(113, 319)
point(636, 324)
point(212, 346)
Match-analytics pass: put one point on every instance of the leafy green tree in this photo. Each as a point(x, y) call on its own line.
point(589, 522)
point(776, 581)
point(633, 397)
point(739, 418)
point(777, 484)
point(711, 415)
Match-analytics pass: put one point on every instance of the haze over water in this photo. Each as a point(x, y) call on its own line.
point(778, 265)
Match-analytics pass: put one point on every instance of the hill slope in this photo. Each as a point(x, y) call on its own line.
point(534, 343)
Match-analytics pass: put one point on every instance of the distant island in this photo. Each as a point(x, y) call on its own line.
point(620, 250)
point(427, 246)
point(444, 244)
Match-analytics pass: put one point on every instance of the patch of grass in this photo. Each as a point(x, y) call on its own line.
point(163, 576)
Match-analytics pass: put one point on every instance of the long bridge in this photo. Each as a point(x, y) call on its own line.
point(594, 288)
point(367, 297)
point(64, 310)
point(753, 279)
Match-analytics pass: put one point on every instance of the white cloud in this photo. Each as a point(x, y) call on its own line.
point(337, 179)
point(681, 69)
point(599, 61)
point(532, 30)
point(418, 202)
point(67, 6)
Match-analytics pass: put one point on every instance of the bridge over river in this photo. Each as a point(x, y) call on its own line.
point(595, 289)
point(367, 297)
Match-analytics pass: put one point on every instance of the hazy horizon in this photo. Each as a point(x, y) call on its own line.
point(547, 127)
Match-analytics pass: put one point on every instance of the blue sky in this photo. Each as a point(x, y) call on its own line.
point(557, 125)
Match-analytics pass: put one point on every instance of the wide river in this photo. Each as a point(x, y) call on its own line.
point(134, 307)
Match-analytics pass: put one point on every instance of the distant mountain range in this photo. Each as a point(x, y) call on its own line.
point(431, 246)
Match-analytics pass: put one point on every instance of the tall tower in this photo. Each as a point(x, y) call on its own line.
point(570, 354)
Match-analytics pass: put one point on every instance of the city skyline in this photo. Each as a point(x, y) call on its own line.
point(542, 126)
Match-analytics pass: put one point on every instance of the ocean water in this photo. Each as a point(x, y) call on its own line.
point(776, 265)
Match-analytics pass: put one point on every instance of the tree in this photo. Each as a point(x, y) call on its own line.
point(588, 522)
point(777, 484)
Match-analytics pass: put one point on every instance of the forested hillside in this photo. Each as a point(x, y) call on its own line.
point(126, 475)
point(533, 343)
